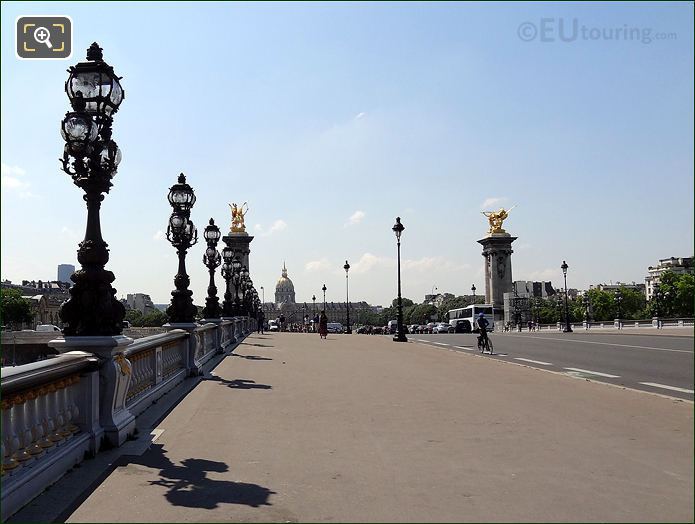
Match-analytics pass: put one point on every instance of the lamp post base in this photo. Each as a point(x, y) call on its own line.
point(567, 329)
point(400, 338)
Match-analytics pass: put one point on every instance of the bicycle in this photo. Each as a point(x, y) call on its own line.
point(485, 344)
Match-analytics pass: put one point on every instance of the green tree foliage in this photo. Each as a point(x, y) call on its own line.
point(422, 314)
point(404, 301)
point(678, 295)
point(134, 316)
point(155, 319)
point(13, 308)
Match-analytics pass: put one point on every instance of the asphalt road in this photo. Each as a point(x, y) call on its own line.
point(657, 363)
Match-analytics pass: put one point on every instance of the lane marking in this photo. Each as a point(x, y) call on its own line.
point(442, 344)
point(605, 344)
point(463, 347)
point(420, 340)
point(607, 375)
point(534, 361)
point(664, 386)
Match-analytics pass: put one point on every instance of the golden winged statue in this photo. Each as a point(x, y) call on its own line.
point(238, 213)
point(495, 218)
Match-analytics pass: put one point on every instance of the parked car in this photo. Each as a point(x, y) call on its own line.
point(273, 325)
point(377, 330)
point(461, 326)
point(442, 327)
point(44, 328)
point(430, 327)
point(335, 327)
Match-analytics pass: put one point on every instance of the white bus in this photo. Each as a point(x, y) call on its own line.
point(463, 319)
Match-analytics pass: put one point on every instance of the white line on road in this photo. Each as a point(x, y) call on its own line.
point(534, 361)
point(664, 386)
point(420, 340)
point(441, 344)
point(592, 372)
point(462, 347)
point(604, 343)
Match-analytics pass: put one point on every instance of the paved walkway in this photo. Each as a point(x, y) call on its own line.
point(359, 428)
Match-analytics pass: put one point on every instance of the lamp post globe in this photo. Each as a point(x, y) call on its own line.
point(346, 267)
point(568, 327)
point(398, 230)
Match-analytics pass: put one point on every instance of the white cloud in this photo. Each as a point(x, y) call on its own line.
point(11, 170)
point(355, 218)
point(277, 226)
point(317, 265)
point(66, 231)
point(367, 262)
point(492, 201)
point(10, 179)
point(159, 235)
point(360, 115)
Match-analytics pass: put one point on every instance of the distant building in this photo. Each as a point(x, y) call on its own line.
point(612, 288)
point(540, 289)
point(64, 272)
point(438, 299)
point(140, 302)
point(677, 265)
point(38, 287)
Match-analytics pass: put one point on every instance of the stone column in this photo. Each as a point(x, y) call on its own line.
point(497, 250)
point(114, 378)
point(240, 243)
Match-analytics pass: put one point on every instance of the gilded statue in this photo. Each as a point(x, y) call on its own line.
point(495, 218)
point(238, 213)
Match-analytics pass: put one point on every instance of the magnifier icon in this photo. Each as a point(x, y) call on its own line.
point(42, 36)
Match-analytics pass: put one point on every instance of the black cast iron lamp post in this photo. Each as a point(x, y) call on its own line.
point(398, 230)
point(346, 267)
point(568, 327)
point(587, 305)
point(212, 259)
point(619, 302)
point(182, 234)
point(91, 158)
point(473, 289)
point(227, 273)
point(324, 297)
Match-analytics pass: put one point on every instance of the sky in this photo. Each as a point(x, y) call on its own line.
point(332, 119)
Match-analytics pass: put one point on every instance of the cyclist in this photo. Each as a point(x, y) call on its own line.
point(482, 324)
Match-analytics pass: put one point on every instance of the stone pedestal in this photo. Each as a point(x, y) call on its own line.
point(497, 250)
point(115, 374)
point(240, 243)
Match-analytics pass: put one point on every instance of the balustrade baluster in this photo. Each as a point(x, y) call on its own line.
point(18, 441)
point(30, 421)
point(8, 461)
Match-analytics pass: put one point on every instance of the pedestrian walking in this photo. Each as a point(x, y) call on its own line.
point(323, 325)
point(261, 321)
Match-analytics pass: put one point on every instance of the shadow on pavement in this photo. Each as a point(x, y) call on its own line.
point(238, 383)
point(257, 345)
point(189, 486)
point(250, 357)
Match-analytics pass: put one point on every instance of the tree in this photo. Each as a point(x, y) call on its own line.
point(678, 294)
point(422, 314)
point(404, 301)
point(13, 308)
point(155, 319)
point(134, 316)
point(453, 303)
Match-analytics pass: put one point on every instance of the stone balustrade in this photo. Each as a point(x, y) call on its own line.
point(57, 411)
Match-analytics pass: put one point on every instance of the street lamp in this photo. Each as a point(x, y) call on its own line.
point(227, 274)
point(91, 158)
point(587, 306)
point(182, 234)
point(619, 302)
point(324, 296)
point(313, 307)
point(473, 289)
point(398, 230)
point(212, 259)
point(568, 327)
point(517, 312)
point(346, 267)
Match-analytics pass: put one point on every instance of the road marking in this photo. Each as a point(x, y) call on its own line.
point(441, 344)
point(605, 344)
point(593, 372)
point(664, 386)
point(462, 347)
point(534, 361)
point(420, 340)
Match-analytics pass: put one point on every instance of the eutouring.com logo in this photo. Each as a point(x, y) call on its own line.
point(572, 30)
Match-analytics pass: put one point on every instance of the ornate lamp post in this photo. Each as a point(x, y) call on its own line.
point(227, 273)
point(473, 290)
point(619, 303)
point(313, 307)
point(517, 311)
point(262, 295)
point(568, 327)
point(182, 234)
point(91, 158)
point(212, 259)
point(398, 230)
point(587, 306)
point(324, 297)
point(346, 267)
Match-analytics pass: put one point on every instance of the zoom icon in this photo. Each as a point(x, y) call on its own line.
point(44, 37)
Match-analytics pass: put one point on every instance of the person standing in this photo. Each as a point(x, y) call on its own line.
point(323, 325)
point(261, 321)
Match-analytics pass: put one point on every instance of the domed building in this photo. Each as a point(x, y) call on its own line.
point(284, 289)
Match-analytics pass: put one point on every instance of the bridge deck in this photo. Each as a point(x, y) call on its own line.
point(359, 428)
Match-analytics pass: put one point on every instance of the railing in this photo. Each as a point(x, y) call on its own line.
point(57, 410)
point(620, 324)
point(48, 423)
